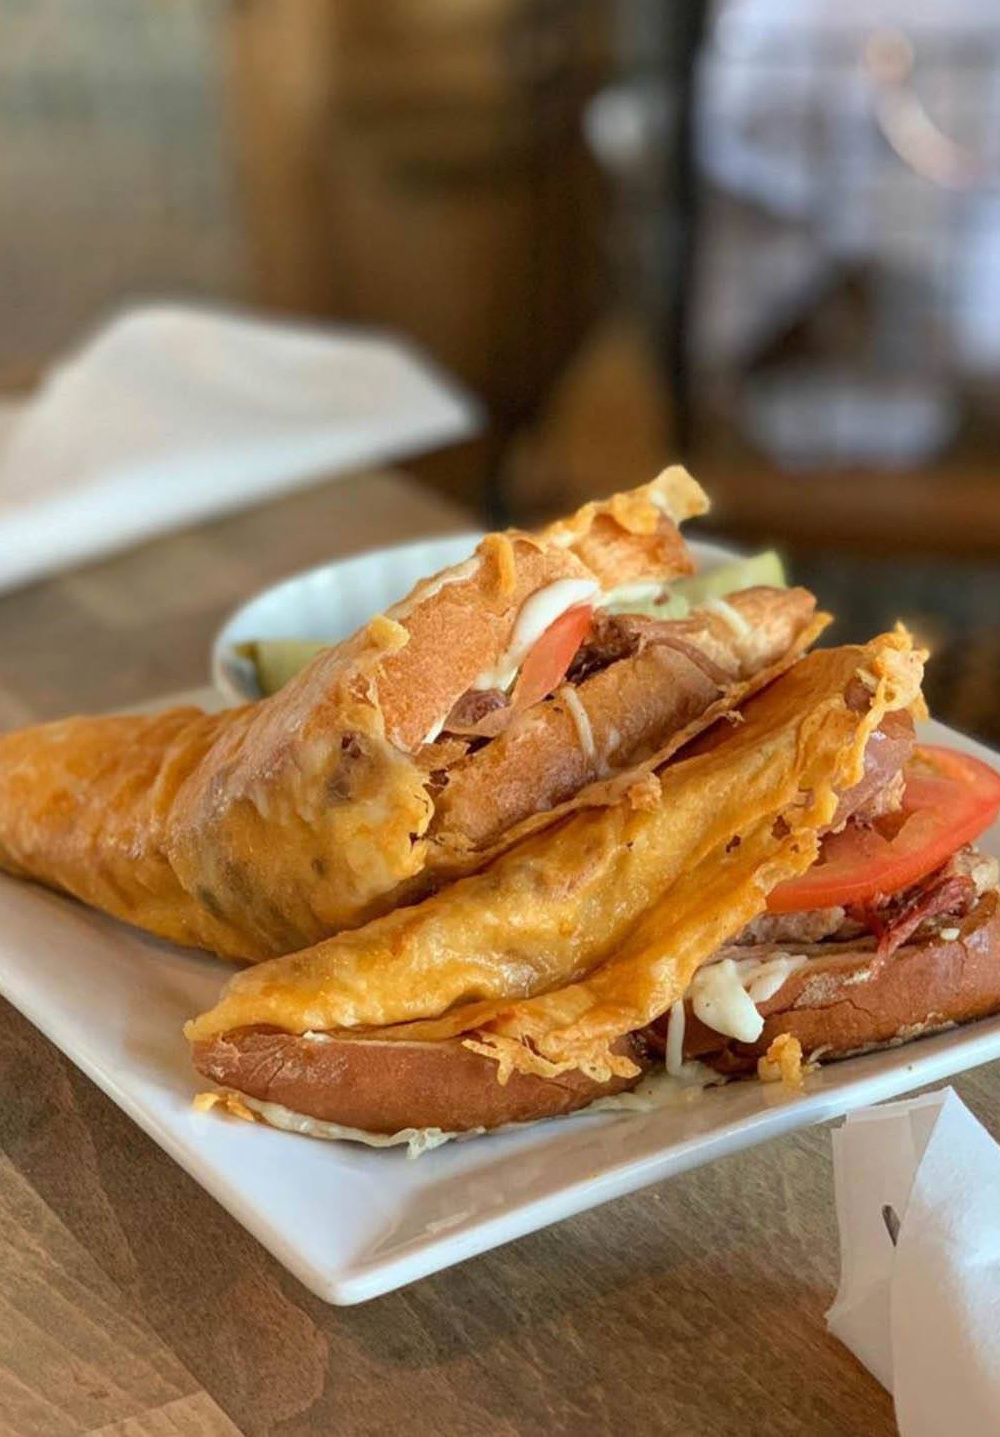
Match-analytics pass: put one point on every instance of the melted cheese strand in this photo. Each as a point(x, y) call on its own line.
point(724, 995)
point(580, 717)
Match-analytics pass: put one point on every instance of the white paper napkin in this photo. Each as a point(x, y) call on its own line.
point(923, 1315)
point(172, 413)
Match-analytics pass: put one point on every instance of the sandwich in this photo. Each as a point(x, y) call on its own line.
point(549, 673)
point(794, 885)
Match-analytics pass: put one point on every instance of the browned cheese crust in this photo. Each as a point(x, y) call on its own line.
point(846, 1000)
point(383, 1087)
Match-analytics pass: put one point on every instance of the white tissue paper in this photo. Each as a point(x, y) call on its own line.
point(923, 1315)
point(172, 413)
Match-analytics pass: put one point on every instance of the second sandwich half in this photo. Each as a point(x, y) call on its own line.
point(532, 987)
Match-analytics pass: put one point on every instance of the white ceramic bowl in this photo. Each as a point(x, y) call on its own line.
point(334, 600)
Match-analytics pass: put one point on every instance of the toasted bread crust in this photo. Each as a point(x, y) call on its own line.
point(385, 1087)
point(631, 709)
point(624, 538)
point(843, 1001)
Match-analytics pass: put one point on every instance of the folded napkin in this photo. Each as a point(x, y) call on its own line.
point(918, 1204)
point(172, 413)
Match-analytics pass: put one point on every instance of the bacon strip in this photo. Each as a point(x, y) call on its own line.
point(942, 893)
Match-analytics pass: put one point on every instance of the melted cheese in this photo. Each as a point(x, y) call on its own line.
point(672, 493)
point(624, 598)
point(656, 1090)
point(538, 613)
point(664, 503)
point(725, 995)
point(416, 1140)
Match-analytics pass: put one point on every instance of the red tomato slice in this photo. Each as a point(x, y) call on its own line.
point(545, 667)
point(950, 799)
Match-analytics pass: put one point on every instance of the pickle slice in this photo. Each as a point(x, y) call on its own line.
point(276, 661)
point(765, 568)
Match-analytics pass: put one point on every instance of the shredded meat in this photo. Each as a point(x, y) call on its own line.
point(811, 926)
point(896, 920)
point(880, 790)
point(620, 636)
point(612, 637)
point(950, 892)
point(472, 708)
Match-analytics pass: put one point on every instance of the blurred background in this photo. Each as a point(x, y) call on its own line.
point(762, 236)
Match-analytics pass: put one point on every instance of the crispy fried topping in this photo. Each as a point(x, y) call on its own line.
point(387, 634)
point(783, 1062)
point(498, 549)
point(226, 1099)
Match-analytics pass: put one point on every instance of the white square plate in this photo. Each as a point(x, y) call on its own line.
point(349, 1221)
point(353, 1222)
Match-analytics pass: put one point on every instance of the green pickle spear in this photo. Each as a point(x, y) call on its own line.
point(765, 568)
point(276, 661)
point(686, 594)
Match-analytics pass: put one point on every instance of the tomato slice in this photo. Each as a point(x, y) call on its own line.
point(545, 667)
point(950, 799)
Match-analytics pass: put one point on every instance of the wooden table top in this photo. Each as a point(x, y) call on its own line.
point(132, 1305)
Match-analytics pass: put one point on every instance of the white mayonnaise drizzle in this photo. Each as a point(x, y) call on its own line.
point(725, 995)
point(580, 718)
point(538, 612)
point(675, 1039)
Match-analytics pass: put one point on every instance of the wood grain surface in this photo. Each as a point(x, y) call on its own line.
point(131, 1305)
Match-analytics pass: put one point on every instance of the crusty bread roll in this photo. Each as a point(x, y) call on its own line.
point(256, 831)
point(379, 1087)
